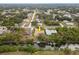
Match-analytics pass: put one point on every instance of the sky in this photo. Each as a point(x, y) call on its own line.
point(39, 1)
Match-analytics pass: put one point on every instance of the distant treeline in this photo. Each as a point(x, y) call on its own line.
point(38, 5)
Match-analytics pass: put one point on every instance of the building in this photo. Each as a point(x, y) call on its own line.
point(67, 15)
point(3, 29)
point(37, 20)
point(25, 23)
point(50, 32)
point(68, 24)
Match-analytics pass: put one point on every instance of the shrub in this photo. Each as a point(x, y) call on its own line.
point(29, 48)
point(7, 48)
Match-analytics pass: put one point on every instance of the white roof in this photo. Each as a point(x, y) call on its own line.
point(65, 21)
point(37, 20)
point(49, 32)
point(3, 29)
point(1, 32)
point(68, 15)
point(70, 23)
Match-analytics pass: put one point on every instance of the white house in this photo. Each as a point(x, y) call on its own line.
point(49, 32)
point(67, 15)
point(38, 20)
point(69, 24)
point(3, 29)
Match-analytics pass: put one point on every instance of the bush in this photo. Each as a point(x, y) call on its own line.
point(51, 23)
point(29, 48)
point(29, 41)
point(34, 23)
point(66, 51)
point(7, 48)
point(10, 38)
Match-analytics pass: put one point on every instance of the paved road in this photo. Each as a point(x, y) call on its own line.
point(30, 25)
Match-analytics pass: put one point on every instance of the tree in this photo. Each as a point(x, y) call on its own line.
point(10, 37)
point(41, 37)
point(51, 23)
point(34, 23)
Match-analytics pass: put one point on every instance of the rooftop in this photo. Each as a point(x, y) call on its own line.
point(49, 32)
